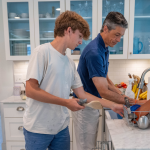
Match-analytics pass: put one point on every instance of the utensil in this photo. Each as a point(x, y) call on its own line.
point(94, 105)
point(82, 101)
point(130, 115)
point(143, 122)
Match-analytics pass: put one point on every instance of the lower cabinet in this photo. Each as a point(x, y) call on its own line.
point(15, 145)
point(12, 119)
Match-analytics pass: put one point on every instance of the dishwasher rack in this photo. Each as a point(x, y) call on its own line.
point(103, 145)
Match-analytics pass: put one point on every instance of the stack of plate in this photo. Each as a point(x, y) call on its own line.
point(48, 34)
point(20, 49)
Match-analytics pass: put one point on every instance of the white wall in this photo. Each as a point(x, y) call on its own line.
point(6, 67)
point(118, 69)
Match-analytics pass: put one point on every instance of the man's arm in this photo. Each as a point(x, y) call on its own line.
point(101, 85)
point(33, 91)
point(80, 93)
point(112, 87)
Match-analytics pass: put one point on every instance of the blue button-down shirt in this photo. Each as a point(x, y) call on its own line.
point(93, 63)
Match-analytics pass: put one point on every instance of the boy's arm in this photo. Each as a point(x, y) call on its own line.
point(33, 91)
point(80, 93)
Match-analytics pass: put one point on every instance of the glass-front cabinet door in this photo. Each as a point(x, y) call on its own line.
point(45, 13)
point(139, 32)
point(88, 10)
point(18, 29)
point(119, 51)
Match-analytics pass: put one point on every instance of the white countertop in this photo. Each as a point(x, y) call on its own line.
point(15, 99)
point(125, 137)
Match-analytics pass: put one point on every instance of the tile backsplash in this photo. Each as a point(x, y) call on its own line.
point(118, 69)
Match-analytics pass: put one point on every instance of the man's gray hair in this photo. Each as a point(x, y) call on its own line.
point(114, 19)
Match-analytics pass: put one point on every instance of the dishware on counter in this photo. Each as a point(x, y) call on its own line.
point(143, 122)
point(12, 15)
point(24, 15)
point(136, 44)
point(16, 90)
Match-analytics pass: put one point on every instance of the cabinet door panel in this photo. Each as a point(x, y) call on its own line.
point(45, 14)
point(119, 51)
point(14, 129)
point(18, 29)
point(88, 10)
point(15, 145)
point(139, 31)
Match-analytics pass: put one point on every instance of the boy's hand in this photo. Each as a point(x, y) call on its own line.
point(118, 108)
point(73, 105)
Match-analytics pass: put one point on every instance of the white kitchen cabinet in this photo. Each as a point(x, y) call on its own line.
point(18, 22)
point(139, 30)
point(119, 51)
point(12, 110)
point(88, 10)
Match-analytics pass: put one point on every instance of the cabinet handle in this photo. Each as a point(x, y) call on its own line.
point(22, 149)
point(20, 108)
point(130, 53)
point(20, 128)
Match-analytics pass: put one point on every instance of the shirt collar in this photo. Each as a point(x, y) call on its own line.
point(101, 42)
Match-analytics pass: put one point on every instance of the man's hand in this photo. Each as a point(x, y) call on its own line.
point(73, 105)
point(118, 108)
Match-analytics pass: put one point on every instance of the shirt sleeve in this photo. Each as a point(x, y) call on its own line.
point(76, 81)
point(36, 67)
point(95, 65)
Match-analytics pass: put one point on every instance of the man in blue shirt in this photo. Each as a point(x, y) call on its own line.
point(93, 71)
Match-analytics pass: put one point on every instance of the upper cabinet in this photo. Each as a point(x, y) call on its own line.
point(45, 14)
point(139, 29)
point(18, 28)
point(119, 51)
point(88, 10)
point(29, 23)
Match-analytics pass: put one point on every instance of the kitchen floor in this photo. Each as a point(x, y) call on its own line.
point(0, 135)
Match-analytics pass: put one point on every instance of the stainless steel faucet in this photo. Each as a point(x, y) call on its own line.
point(141, 83)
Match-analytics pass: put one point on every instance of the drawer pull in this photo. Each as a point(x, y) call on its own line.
point(20, 109)
point(20, 128)
point(22, 149)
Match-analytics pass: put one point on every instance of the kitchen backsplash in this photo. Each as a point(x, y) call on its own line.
point(118, 69)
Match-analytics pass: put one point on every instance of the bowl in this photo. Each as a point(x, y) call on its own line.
point(12, 15)
point(143, 122)
point(24, 15)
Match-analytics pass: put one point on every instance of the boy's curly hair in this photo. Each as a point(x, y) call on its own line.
point(73, 20)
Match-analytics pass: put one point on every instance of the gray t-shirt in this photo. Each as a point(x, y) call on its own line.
point(56, 74)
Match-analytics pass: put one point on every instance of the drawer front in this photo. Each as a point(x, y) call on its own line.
point(15, 145)
point(14, 129)
point(14, 110)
